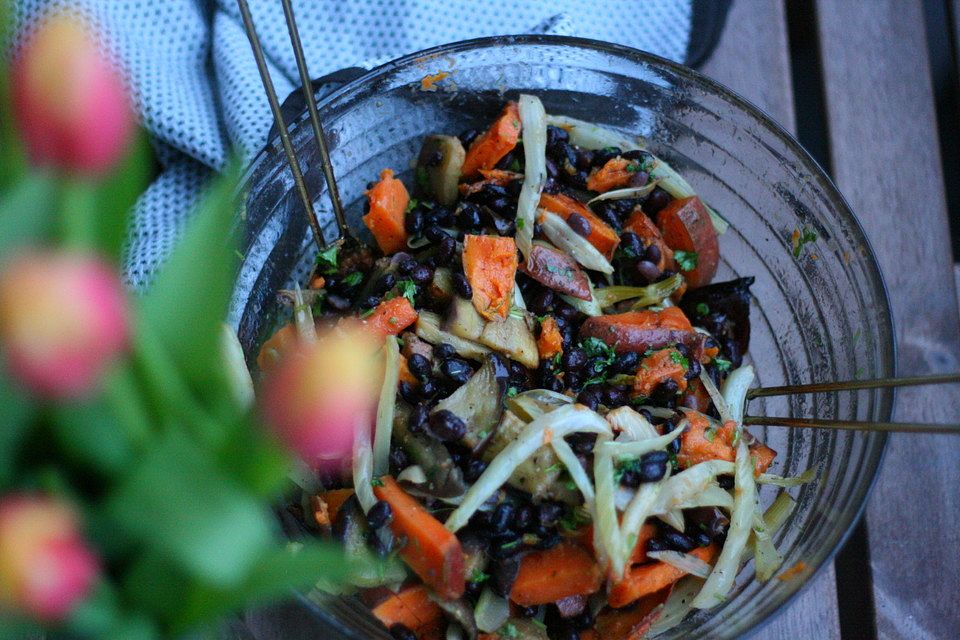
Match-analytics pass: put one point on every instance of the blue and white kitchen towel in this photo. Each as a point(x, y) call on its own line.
point(198, 93)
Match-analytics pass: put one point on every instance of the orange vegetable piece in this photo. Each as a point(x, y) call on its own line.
point(490, 264)
point(405, 374)
point(659, 367)
point(646, 579)
point(431, 550)
point(498, 177)
point(615, 174)
point(388, 208)
point(411, 607)
point(685, 225)
point(276, 347)
point(763, 455)
point(634, 622)
point(701, 442)
point(550, 342)
point(602, 236)
point(645, 535)
point(328, 504)
point(390, 317)
point(640, 330)
point(494, 143)
point(547, 576)
point(641, 224)
point(696, 397)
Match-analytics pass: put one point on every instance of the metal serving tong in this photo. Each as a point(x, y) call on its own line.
point(344, 232)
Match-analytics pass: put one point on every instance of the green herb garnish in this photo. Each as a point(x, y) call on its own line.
point(687, 260)
point(478, 576)
point(800, 238)
point(412, 205)
point(376, 482)
point(511, 545)
point(408, 289)
point(722, 364)
point(702, 308)
point(422, 177)
point(508, 630)
point(521, 223)
point(680, 359)
point(353, 279)
point(512, 391)
point(327, 259)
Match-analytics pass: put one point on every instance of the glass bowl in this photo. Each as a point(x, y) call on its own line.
point(818, 316)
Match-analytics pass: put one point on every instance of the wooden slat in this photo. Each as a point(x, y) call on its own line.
point(885, 157)
point(753, 59)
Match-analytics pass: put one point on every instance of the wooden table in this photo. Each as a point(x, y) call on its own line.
point(871, 118)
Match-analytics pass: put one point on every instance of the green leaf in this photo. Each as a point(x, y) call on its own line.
point(254, 459)
point(117, 194)
point(327, 259)
point(189, 298)
point(88, 435)
point(26, 211)
point(16, 413)
point(722, 364)
point(408, 289)
point(13, 161)
point(177, 503)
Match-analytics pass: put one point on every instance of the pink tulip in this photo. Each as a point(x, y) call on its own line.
point(71, 106)
point(320, 394)
point(45, 566)
point(63, 320)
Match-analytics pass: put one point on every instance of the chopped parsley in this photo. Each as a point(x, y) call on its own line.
point(680, 359)
point(722, 364)
point(412, 205)
point(478, 576)
point(602, 356)
point(376, 482)
point(703, 308)
point(575, 518)
point(800, 238)
point(521, 223)
point(624, 467)
point(512, 391)
point(687, 260)
point(353, 279)
point(508, 630)
point(710, 433)
point(366, 314)
point(408, 289)
point(327, 259)
point(511, 545)
point(515, 165)
point(422, 177)
point(556, 466)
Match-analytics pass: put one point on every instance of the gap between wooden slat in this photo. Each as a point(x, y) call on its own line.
point(854, 592)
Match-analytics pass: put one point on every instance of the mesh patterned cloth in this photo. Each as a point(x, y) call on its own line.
point(198, 93)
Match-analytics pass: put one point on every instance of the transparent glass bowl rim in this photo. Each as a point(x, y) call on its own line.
point(647, 59)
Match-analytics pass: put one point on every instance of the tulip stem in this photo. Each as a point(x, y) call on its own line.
point(78, 206)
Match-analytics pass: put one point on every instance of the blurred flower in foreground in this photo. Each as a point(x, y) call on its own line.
point(63, 320)
point(70, 104)
point(45, 565)
point(321, 393)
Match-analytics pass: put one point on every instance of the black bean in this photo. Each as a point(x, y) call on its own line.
point(653, 466)
point(678, 541)
point(447, 251)
point(339, 303)
point(565, 311)
point(657, 544)
point(653, 253)
point(462, 286)
point(550, 186)
point(457, 369)
point(583, 443)
point(468, 136)
point(674, 446)
point(490, 192)
point(369, 302)
point(400, 632)
point(602, 156)
point(419, 366)
point(639, 179)
point(565, 633)
point(514, 187)
point(418, 417)
point(590, 397)
point(524, 516)
point(577, 180)
point(422, 274)
point(434, 233)
point(631, 244)
point(468, 216)
point(408, 392)
point(445, 426)
point(553, 384)
point(380, 514)
point(385, 283)
point(726, 482)
point(647, 271)
point(627, 362)
point(580, 225)
point(503, 574)
point(540, 303)
point(444, 351)
point(656, 201)
point(573, 359)
point(551, 168)
point(550, 541)
point(556, 135)
point(630, 478)
point(546, 369)
point(508, 545)
point(595, 365)
point(407, 265)
point(694, 369)
point(473, 469)
point(572, 380)
point(548, 513)
point(428, 389)
point(615, 397)
point(528, 612)
point(501, 517)
point(701, 538)
point(398, 459)
point(584, 159)
point(413, 221)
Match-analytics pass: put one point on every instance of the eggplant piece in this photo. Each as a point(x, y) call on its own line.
point(444, 478)
point(441, 159)
point(556, 270)
point(726, 315)
point(479, 401)
point(428, 328)
point(541, 474)
point(512, 337)
point(463, 320)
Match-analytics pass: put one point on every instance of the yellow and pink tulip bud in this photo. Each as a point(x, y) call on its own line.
point(70, 104)
point(320, 394)
point(46, 567)
point(63, 321)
